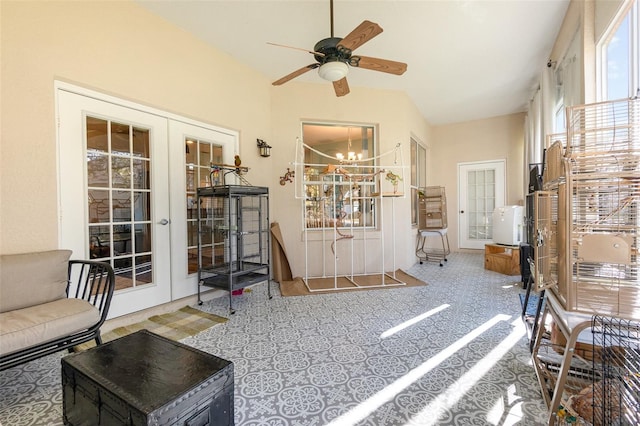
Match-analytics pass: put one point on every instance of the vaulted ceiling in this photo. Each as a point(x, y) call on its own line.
point(467, 59)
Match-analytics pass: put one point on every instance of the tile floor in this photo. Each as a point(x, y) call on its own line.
point(451, 353)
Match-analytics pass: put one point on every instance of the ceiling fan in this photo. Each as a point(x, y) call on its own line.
point(334, 56)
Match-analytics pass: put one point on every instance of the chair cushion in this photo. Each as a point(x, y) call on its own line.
point(26, 327)
point(31, 279)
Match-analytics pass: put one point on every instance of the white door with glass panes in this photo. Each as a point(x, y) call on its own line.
point(120, 165)
point(193, 150)
point(114, 198)
point(481, 188)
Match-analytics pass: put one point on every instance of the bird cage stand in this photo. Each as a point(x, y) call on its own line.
point(343, 223)
point(233, 238)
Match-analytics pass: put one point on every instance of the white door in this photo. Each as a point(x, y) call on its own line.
point(114, 195)
point(193, 149)
point(481, 188)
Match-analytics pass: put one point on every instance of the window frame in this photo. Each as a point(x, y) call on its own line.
point(630, 9)
point(418, 175)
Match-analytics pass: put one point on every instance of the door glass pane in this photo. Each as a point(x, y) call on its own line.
point(98, 206)
point(142, 206)
point(121, 206)
point(199, 157)
point(143, 238)
point(141, 172)
point(122, 243)
point(143, 270)
point(490, 176)
point(480, 203)
point(97, 139)
point(120, 172)
point(119, 217)
point(120, 139)
point(97, 169)
point(140, 143)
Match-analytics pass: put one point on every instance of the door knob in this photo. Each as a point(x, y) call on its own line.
point(164, 222)
point(461, 211)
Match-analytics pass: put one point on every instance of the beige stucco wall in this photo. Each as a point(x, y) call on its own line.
point(499, 138)
point(116, 48)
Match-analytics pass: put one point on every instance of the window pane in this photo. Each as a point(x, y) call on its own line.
point(97, 139)
point(205, 154)
point(98, 206)
point(414, 163)
point(99, 242)
point(122, 244)
point(120, 172)
point(618, 53)
point(121, 206)
point(141, 143)
point(142, 206)
point(120, 139)
point(143, 238)
point(344, 198)
point(97, 169)
point(141, 174)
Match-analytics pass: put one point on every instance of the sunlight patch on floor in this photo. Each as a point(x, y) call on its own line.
point(364, 409)
point(507, 410)
point(430, 414)
point(412, 321)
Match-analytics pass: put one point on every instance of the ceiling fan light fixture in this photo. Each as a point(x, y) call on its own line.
point(333, 71)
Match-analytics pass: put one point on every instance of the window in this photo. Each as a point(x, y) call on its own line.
point(619, 56)
point(418, 176)
point(339, 180)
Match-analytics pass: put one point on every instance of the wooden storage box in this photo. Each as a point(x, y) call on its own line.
point(146, 379)
point(502, 259)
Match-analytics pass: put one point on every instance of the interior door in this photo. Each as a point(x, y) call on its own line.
point(114, 195)
point(481, 188)
point(193, 150)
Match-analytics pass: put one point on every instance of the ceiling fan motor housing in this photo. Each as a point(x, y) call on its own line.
point(331, 51)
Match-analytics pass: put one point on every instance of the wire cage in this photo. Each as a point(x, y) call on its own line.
point(587, 219)
point(432, 208)
point(553, 165)
point(615, 393)
point(603, 177)
point(545, 239)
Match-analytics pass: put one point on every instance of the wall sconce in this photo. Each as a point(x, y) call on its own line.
point(265, 150)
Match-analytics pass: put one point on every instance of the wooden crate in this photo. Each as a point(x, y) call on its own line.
point(502, 259)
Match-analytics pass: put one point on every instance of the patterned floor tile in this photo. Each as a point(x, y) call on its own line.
point(452, 352)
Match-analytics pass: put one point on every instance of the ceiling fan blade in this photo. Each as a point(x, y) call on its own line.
point(296, 48)
point(360, 35)
point(384, 65)
point(295, 74)
point(341, 87)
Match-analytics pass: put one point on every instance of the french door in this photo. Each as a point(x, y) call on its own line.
point(114, 195)
point(481, 188)
point(128, 177)
point(193, 149)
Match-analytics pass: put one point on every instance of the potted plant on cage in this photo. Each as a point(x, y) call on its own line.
point(394, 179)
